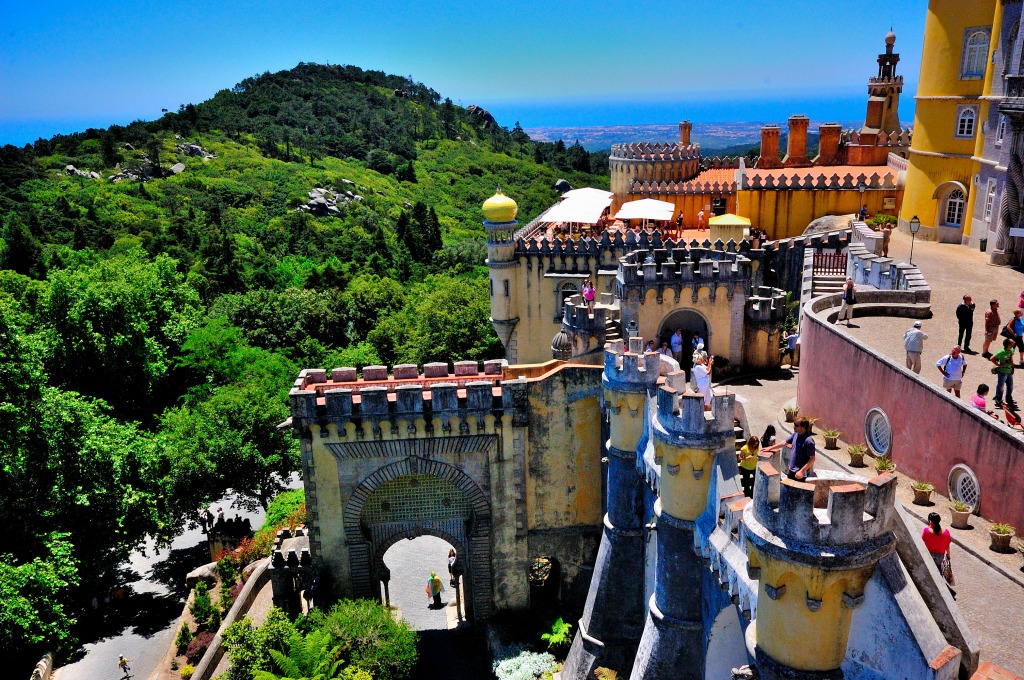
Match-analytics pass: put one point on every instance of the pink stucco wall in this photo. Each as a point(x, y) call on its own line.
point(841, 379)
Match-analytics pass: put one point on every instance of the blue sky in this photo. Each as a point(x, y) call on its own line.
point(65, 66)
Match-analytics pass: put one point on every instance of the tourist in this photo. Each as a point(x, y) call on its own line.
point(747, 460)
point(791, 341)
point(1014, 331)
point(849, 299)
point(122, 663)
point(1003, 360)
point(649, 347)
point(589, 293)
point(209, 519)
point(863, 214)
point(1020, 302)
point(978, 399)
point(220, 515)
point(677, 345)
point(886, 236)
point(679, 222)
point(434, 589)
point(992, 326)
point(913, 343)
point(938, 540)
point(696, 342)
point(965, 324)
point(702, 376)
point(953, 368)
point(768, 438)
point(665, 351)
point(700, 225)
point(801, 445)
point(452, 558)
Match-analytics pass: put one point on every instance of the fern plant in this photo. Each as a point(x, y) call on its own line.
point(560, 635)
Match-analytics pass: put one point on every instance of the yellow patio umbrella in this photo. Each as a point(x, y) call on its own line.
point(729, 226)
point(729, 220)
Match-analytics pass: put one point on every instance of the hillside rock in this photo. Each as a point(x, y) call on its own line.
point(178, 168)
point(482, 117)
point(828, 223)
point(207, 573)
point(191, 149)
point(72, 171)
point(324, 202)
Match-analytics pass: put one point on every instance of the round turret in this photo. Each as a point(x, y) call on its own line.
point(561, 346)
point(500, 208)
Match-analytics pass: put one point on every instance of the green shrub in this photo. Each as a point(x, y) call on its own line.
point(184, 637)
point(202, 607)
point(186, 671)
point(526, 666)
point(369, 636)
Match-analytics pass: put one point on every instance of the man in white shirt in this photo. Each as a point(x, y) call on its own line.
point(702, 376)
point(953, 368)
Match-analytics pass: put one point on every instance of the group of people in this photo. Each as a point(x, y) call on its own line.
point(435, 586)
point(800, 462)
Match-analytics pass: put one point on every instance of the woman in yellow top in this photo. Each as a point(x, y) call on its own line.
point(747, 458)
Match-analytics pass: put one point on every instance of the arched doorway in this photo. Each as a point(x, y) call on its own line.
point(420, 497)
point(690, 322)
point(409, 562)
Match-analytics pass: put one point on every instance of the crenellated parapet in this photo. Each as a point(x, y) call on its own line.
point(813, 546)
point(765, 306)
point(629, 368)
point(786, 181)
point(693, 268)
point(655, 152)
point(291, 569)
point(402, 404)
point(638, 187)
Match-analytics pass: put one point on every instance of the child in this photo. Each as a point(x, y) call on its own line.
point(790, 348)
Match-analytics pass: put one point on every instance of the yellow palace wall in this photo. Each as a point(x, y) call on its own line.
point(785, 214)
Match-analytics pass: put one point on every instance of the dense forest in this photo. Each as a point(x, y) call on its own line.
point(158, 298)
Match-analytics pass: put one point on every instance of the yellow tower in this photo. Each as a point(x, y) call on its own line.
point(500, 223)
point(955, 61)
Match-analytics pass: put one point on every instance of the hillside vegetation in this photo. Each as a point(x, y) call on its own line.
point(152, 321)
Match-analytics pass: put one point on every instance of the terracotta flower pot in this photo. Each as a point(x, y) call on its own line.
point(1001, 542)
point(831, 443)
point(960, 519)
point(922, 496)
point(857, 460)
point(791, 416)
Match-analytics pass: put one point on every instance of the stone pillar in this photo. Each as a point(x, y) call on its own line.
point(613, 618)
point(769, 157)
point(813, 546)
point(796, 148)
point(828, 144)
point(686, 440)
point(685, 127)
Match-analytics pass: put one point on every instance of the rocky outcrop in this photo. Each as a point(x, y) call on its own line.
point(481, 117)
point(191, 149)
point(207, 573)
point(323, 202)
point(72, 171)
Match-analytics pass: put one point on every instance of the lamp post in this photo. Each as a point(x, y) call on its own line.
point(861, 187)
point(915, 226)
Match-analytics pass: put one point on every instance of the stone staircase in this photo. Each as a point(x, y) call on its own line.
point(827, 284)
point(612, 330)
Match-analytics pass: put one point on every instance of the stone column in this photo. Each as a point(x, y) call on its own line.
point(796, 146)
point(613, 618)
point(687, 439)
point(769, 155)
point(685, 127)
point(813, 547)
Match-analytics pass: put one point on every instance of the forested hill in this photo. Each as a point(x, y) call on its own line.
point(161, 284)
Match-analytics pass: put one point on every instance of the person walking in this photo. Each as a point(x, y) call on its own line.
point(849, 299)
point(746, 458)
point(122, 663)
point(953, 368)
point(886, 237)
point(1003, 359)
point(791, 341)
point(1014, 331)
point(702, 376)
point(913, 343)
point(700, 220)
point(801, 445)
point(938, 540)
point(434, 589)
point(965, 324)
point(992, 325)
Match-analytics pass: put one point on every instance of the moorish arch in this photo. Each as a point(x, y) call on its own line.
point(420, 497)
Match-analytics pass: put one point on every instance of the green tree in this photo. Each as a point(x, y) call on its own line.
point(368, 298)
point(21, 251)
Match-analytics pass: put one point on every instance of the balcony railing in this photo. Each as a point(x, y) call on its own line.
point(1014, 87)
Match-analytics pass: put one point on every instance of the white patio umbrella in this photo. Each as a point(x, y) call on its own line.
point(646, 209)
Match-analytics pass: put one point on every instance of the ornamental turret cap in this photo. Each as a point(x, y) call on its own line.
point(500, 208)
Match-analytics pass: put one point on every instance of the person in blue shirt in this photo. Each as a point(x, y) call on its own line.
point(801, 454)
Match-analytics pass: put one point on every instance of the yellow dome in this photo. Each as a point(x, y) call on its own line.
point(500, 208)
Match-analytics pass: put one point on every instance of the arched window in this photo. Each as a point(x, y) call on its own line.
point(1008, 46)
point(975, 55)
point(966, 117)
point(954, 213)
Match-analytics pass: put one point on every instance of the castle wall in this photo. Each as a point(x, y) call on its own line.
point(785, 214)
point(718, 313)
point(991, 450)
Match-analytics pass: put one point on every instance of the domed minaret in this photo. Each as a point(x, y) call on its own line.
point(500, 223)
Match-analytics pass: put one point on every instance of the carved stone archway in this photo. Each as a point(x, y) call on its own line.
point(467, 527)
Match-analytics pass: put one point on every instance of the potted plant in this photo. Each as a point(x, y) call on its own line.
point(884, 464)
point(1001, 534)
point(791, 412)
point(831, 438)
point(961, 514)
point(922, 493)
point(857, 452)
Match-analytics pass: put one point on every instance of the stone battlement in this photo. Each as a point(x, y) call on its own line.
point(835, 516)
point(881, 138)
point(682, 267)
point(629, 369)
point(691, 187)
point(766, 305)
point(577, 316)
point(821, 181)
point(645, 151)
point(683, 417)
point(289, 552)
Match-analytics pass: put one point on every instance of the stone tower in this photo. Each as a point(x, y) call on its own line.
point(813, 547)
point(884, 92)
point(769, 155)
point(796, 144)
point(687, 440)
point(500, 224)
point(613, 618)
